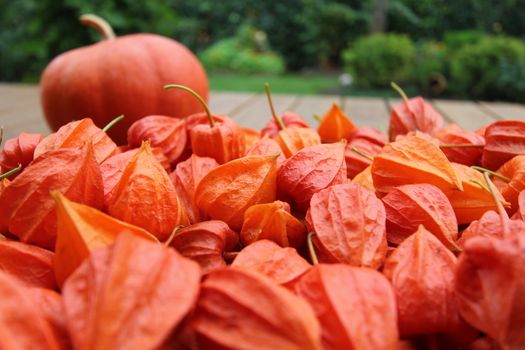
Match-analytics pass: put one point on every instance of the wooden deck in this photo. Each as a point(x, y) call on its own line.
point(20, 109)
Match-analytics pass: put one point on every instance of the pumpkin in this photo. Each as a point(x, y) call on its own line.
point(120, 75)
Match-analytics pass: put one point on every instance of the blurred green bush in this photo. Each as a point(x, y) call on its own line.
point(430, 70)
point(492, 68)
point(456, 39)
point(306, 33)
point(32, 32)
point(378, 59)
point(468, 64)
point(247, 52)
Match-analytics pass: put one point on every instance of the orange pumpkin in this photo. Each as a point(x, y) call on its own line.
point(118, 76)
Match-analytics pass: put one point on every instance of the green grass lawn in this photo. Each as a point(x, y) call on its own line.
point(288, 83)
point(306, 84)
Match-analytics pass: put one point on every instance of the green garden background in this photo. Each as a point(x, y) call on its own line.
point(454, 49)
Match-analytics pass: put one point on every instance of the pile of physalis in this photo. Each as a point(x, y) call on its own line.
point(201, 234)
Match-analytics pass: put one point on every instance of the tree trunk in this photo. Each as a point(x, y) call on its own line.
point(379, 19)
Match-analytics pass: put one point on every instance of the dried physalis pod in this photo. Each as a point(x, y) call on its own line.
point(359, 154)
point(28, 210)
point(251, 137)
point(481, 130)
point(130, 295)
point(369, 134)
point(289, 120)
point(220, 140)
point(228, 190)
point(205, 242)
point(364, 179)
point(413, 160)
point(23, 323)
point(166, 133)
point(239, 309)
point(504, 140)
point(409, 206)
point(3, 184)
point(121, 149)
point(74, 135)
point(355, 306)
point(471, 203)
point(282, 265)
point(50, 304)
point(420, 134)
point(484, 343)
point(290, 138)
point(28, 263)
point(489, 225)
point(490, 285)
point(202, 119)
point(349, 225)
point(519, 214)
point(412, 115)
point(146, 197)
point(185, 177)
point(312, 169)
point(460, 146)
point(18, 151)
point(510, 181)
point(422, 270)
point(113, 167)
point(335, 125)
point(80, 230)
point(265, 147)
point(272, 221)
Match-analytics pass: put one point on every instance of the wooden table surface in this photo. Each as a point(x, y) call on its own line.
point(20, 109)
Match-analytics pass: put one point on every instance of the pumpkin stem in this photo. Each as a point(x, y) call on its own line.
point(100, 25)
point(361, 153)
point(113, 122)
point(311, 250)
point(318, 117)
point(461, 145)
point(493, 173)
point(277, 119)
point(172, 235)
point(504, 217)
point(197, 96)
point(11, 172)
point(400, 92)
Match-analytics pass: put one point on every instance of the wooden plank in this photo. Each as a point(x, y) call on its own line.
point(257, 113)
point(366, 111)
point(14, 96)
point(307, 106)
point(8, 90)
point(35, 124)
point(505, 110)
point(466, 114)
point(20, 110)
point(227, 102)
